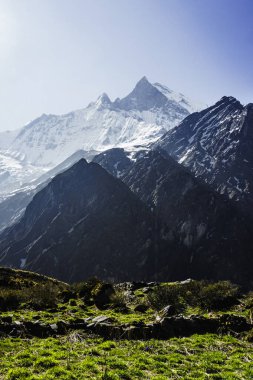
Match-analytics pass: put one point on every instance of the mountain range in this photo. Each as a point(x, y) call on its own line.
point(133, 122)
point(158, 191)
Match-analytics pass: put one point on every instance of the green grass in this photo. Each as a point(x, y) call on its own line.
point(79, 357)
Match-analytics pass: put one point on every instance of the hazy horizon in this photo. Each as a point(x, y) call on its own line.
point(58, 56)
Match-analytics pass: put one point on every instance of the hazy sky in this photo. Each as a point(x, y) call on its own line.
point(58, 55)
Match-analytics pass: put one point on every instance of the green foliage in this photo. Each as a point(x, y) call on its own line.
point(218, 296)
point(209, 296)
point(162, 296)
point(42, 296)
point(78, 356)
point(119, 299)
point(18, 374)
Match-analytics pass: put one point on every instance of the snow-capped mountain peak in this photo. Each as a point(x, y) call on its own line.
point(133, 122)
point(144, 96)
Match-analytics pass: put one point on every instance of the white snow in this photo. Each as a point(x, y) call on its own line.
point(179, 98)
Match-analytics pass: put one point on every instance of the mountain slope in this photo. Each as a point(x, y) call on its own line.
point(86, 222)
point(217, 235)
point(216, 144)
point(14, 205)
point(83, 223)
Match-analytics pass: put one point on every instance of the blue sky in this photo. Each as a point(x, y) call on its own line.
point(58, 55)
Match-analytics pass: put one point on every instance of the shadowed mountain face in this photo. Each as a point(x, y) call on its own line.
point(216, 144)
point(217, 235)
point(83, 223)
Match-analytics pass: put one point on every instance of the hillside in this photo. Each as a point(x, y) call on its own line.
point(96, 330)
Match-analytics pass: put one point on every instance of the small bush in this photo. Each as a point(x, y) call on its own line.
point(209, 296)
point(162, 296)
point(218, 296)
point(42, 296)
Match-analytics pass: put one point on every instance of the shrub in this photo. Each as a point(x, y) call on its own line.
point(249, 336)
point(42, 296)
point(165, 295)
point(209, 296)
point(218, 296)
point(102, 294)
